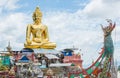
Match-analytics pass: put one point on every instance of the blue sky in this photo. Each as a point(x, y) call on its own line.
point(70, 22)
point(55, 5)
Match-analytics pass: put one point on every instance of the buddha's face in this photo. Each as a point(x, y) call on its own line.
point(38, 19)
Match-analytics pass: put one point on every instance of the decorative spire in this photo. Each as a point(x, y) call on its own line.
point(9, 47)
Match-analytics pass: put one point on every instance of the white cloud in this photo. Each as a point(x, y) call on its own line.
point(8, 5)
point(13, 29)
point(103, 9)
point(2, 3)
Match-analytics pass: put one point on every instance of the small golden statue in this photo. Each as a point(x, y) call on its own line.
point(39, 33)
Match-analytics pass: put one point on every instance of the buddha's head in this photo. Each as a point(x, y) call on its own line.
point(37, 15)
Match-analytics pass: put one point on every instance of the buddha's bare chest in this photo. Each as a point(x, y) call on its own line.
point(35, 29)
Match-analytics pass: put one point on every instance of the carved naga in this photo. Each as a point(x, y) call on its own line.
point(108, 42)
point(108, 49)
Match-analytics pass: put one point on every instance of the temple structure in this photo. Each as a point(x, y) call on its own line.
point(71, 57)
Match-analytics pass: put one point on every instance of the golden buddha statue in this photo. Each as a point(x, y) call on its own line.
point(39, 32)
